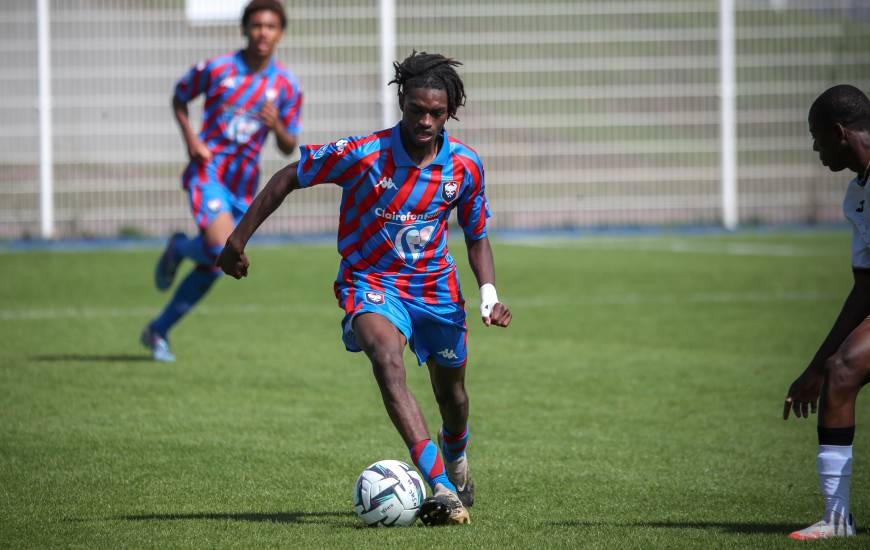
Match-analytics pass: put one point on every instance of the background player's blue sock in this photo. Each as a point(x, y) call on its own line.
point(428, 461)
point(189, 292)
point(453, 446)
point(198, 250)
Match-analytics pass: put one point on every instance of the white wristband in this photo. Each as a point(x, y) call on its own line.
point(488, 299)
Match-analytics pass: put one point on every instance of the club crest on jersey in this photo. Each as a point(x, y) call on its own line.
point(374, 298)
point(448, 191)
point(410, 240)
point(230, 82)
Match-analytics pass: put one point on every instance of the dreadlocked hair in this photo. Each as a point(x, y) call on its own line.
point(431, 71)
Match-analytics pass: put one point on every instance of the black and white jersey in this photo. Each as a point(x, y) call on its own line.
point(857, 211)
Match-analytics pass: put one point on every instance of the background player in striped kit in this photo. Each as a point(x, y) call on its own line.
point(247, 94)
point(396, 282)
point(839, 121)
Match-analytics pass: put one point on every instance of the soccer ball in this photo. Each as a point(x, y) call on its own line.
point(388, 494)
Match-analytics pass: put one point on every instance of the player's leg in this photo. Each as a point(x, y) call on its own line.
point(845, 373)
point(212, 209)
point(384, 344)
point(448, 385)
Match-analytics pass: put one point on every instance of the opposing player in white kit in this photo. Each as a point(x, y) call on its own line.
point(839, 122)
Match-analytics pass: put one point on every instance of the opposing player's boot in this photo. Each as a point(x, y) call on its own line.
point(167, 264)
point(157, 344)
point(838, 526)
point(443, 508)
point(459, 474)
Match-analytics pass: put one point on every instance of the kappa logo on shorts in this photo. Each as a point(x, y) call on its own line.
point(447, 353)
point(410, 240)
point(213, 205)
point(448, 191)
point(374, 298)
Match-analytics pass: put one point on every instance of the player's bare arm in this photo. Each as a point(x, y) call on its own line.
point(232, 259)
point(482, 264)
point(271, 118)
point(803, 394)
point(196, 149)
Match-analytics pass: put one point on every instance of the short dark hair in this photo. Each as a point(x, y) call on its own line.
point(260, 5)
point(843, 104)
point(432, 71)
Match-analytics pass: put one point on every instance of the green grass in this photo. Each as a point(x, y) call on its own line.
point(634, 403)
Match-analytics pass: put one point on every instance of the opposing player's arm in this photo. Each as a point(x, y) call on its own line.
point(803, 394)
point(232, 259)
point(854, 311)
point(482, 264)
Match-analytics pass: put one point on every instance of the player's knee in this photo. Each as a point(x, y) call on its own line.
point(453, 395)
point(389, 369)
point(842, 371)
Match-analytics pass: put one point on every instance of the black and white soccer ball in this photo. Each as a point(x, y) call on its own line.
point(388, 494)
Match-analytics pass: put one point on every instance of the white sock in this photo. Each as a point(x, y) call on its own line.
point(834, 464)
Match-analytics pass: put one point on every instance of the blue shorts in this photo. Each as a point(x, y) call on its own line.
point(207, 200)
point(436, 331)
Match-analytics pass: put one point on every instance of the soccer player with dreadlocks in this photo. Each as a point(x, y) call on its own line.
point(397, 283)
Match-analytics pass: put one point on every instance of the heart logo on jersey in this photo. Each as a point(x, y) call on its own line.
point(410, 240)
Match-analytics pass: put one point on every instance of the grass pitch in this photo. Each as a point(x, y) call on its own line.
point(634, 402)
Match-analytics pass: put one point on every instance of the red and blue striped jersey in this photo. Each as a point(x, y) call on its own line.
point(392, 230)
point(231, 129)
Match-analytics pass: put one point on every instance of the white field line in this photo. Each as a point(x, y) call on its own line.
point(685, 247)
point(43, 314)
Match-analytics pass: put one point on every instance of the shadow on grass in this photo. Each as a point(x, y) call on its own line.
point(266, 517)
point(722, 526)
point(79, 358)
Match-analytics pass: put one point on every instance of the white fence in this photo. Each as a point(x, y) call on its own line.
point(586, 113)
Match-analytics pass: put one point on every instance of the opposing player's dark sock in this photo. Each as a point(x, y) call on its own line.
point(834, 464)
point(427, 459)
point(453, 446)
point(189, 292)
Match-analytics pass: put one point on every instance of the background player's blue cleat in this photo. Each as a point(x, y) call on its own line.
point(168, 263)
point(157, 344)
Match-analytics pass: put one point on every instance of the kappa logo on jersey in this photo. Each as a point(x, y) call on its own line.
point(374, 298)
point(213, 205)
point(448, 191)
point(230, 82)
point(271, 94)
point(386, 183)
point(410, 240)
point(448, 354)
